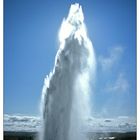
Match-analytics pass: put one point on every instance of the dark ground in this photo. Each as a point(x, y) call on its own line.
point(91, 135)
point(112, 136)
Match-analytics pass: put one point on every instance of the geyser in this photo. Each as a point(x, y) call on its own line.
point(65, 96)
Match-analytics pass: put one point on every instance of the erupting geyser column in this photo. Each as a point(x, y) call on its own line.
point(65, 95)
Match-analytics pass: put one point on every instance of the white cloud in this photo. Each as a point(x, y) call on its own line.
point(117, 124)
point(121, 85)
point(114, 55)
point(21, 123)
point(32, 124)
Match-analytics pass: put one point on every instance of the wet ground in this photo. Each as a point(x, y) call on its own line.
point(9, 135)
point(112, 136)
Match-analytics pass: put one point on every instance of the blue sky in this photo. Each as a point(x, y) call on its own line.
point(31, 42)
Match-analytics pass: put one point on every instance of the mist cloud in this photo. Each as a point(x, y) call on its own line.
point(120, 85)
point(107, 62)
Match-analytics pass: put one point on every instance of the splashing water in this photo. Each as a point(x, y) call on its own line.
point(65, 97)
